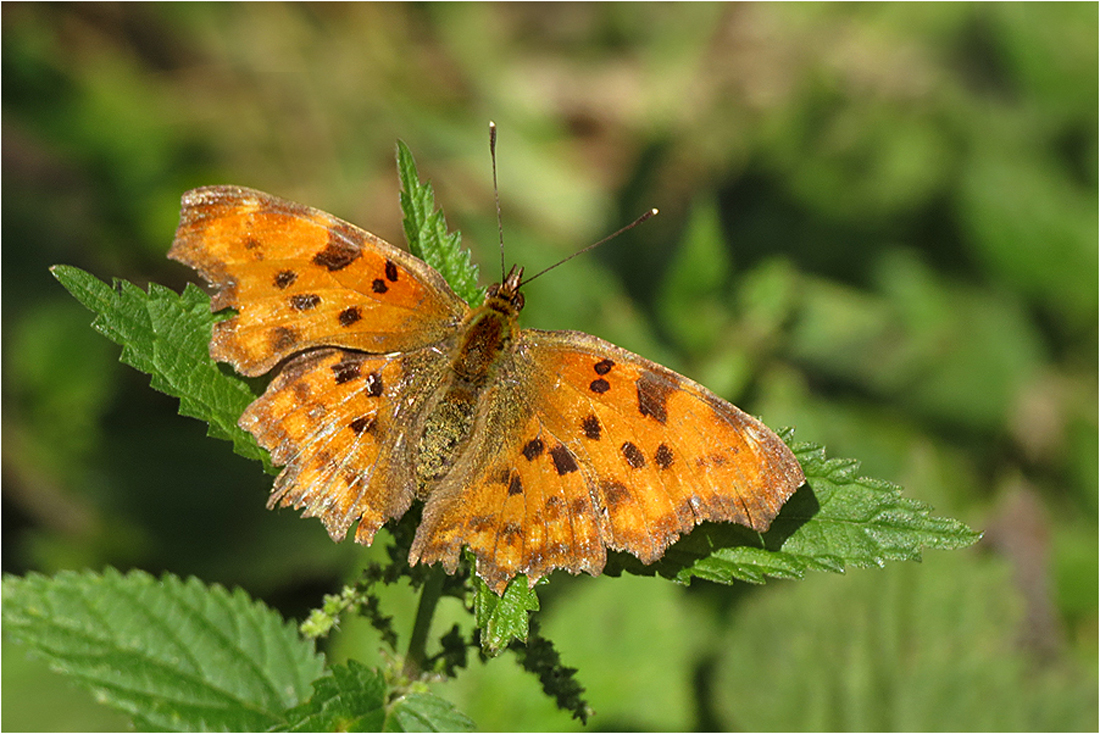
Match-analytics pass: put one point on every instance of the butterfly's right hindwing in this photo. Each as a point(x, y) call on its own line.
point(344, 425)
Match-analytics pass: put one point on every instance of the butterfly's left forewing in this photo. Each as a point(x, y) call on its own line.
point(586, 445)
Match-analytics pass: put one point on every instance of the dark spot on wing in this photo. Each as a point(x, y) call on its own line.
point(633, 455)
point(391, 271)
point(339, 252)
point(563, 460)
point(364, 423)
point(599, 386)
point(603, 367)
point(653, 392)
point(591, 427)
point(533, 449)
point(615, 493)
point(374, 384)
point(515, 486)
point(304, 301)
point(379, 286)
point(285, 278)
point(350, 315)
point(346, 371)
point(663, 458)
point(282, 338)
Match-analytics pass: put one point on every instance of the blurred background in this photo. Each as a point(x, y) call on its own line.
point(878, 224)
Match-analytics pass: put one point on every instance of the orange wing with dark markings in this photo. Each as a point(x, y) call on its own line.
point(561, 447)
point(300, 278)
point(342, 423)
point(609, 450)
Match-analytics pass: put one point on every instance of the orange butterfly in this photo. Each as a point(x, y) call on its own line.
point(535, 449)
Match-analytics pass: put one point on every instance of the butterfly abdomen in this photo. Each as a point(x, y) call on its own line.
point(446, 431)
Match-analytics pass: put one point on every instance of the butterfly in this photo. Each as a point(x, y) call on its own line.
point(536, 450)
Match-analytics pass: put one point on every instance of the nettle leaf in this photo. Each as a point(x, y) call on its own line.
point(353, 697)
point(837, 519)
point(502, 619)
point(350, 698)
point(426, 712)
point(174, 655)
point(168, 336)
point(427, 235)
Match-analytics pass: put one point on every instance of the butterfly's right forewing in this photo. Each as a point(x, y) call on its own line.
point(301, 278)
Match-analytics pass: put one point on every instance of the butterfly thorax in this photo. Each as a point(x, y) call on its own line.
point(484, 339)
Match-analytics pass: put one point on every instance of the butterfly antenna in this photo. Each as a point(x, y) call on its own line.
point(496, 192)
point(632, 225)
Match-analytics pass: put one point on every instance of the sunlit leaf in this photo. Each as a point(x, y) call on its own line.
point(174, 655)
point(168, 336)
point(503, 618)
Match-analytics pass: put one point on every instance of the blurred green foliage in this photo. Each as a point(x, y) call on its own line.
point(879, 224)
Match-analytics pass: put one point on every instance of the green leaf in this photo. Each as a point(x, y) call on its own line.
point(863, 521)
point(353, 697)
point(427, 235)
point(837, 519)
point(174, 655)
point(426, 712)
point(349, 698)
point(168, 336)
point(502, 619)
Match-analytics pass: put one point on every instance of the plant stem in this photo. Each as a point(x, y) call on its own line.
point(417, 655)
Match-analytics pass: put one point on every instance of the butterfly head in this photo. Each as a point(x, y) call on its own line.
point(505, 296)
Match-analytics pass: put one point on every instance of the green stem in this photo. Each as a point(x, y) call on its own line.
point(417, 655)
